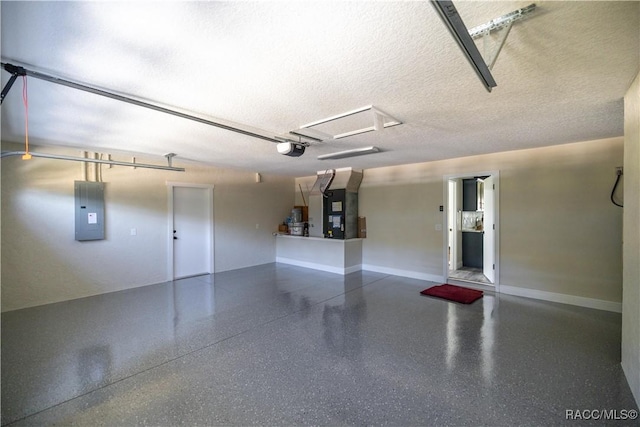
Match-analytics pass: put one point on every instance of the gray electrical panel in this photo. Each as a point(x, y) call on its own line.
point(89, 210)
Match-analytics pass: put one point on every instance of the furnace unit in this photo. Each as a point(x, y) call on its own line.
point(340, 211)
point(333, 204)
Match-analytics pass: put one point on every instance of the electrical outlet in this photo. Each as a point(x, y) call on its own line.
point(619, 170)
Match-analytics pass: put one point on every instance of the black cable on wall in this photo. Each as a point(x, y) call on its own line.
point(615, 186)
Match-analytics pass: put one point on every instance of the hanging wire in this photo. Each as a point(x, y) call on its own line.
point(619, 173)
point(25, 100)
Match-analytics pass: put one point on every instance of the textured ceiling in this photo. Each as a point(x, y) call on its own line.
point(275, 66)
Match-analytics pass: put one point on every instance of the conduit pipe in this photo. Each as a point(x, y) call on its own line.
point(89, 160)
point(95, 167)
point(83, 166)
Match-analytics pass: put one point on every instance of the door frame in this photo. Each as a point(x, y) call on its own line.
point(452, 249)
point(496, 206)
point(170, 260)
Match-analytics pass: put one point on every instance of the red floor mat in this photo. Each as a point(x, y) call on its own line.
point(453, 293)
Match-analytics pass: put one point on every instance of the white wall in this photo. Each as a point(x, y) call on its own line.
point(559, 232)
point(631, 251)
point(42, 263)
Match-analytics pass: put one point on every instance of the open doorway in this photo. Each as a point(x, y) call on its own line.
point(471, 254)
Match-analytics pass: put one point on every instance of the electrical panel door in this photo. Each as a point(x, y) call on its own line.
point(89, 207)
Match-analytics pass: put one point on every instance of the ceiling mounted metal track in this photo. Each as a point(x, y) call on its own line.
point(458, 30)
point(100, 161)
point(21, 71)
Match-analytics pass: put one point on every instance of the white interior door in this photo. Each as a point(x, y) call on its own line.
point(489, 236)
point(458, 220)
point(451, 223)
point(191, 231)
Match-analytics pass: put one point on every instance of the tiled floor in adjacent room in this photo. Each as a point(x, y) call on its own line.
point(284, 345)
point(469, 274)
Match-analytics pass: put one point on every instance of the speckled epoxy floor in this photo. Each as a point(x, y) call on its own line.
point(283, 345)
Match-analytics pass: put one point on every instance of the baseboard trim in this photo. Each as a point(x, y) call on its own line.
point(404, 273)
point(353, 269)
point(472, 285)
point(598, 304)
point(321, 267)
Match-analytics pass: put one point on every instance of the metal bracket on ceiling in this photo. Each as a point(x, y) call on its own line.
point(501, 24)
point(492, 49)
point(293, 141)
point(15, 72)
point(170, 157)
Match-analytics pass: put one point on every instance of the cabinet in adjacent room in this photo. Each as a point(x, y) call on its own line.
point(469, 195)
point(472, 249)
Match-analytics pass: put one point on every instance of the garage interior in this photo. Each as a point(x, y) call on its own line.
point(244, 106)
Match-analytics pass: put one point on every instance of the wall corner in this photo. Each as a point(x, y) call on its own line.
point(631, 245)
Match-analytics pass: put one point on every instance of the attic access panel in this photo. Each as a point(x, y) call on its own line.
point(361, 120)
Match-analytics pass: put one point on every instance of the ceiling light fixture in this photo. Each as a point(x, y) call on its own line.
point(453, 21)
point(349, 153)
